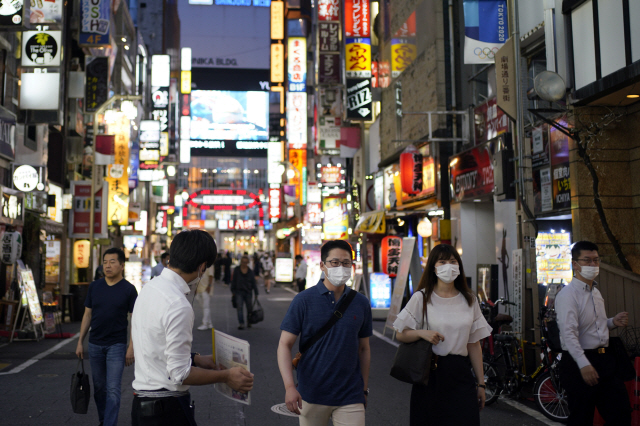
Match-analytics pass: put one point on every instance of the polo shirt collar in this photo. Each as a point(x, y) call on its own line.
point(176, 280)
point(322, 289)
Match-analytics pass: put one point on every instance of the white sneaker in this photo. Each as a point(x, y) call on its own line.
point(205, 327)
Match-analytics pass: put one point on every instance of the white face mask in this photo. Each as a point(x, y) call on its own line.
point(338, 276)
point(193, 285)
point(589, 272)
point(448, 273)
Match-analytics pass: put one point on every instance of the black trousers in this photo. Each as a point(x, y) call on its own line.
point(450, 398)
point(609, 395)
point(302, 283)
point(168, 411)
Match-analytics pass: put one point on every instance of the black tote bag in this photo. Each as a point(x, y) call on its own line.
point(413, 361)
point(257, 314)
point(80, 390)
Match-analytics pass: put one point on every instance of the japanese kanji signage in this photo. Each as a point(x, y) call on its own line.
point(329, 36)
point(391, 248)
point(506, 79)
point(329, 68)
point(297, 120)
point(277, 20)
point(356, 18)
point(79, 216)
point(561, 186)
point(328, 10)
point(358, 57)
point(118, 176)
point(94, 27)
point(297, 64)
point(277, 63)
point(403, 53)
point(97, 85)
point(274, 204)
point(298, 159)
point(472, 172)
point(314, 213)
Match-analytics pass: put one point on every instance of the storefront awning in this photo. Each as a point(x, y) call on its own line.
point(372, 223)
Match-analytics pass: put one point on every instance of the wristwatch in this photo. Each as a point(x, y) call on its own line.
point(366, 392)
point(482, 386)
point(193, 358)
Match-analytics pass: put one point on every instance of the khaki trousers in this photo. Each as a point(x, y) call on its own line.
point(319, 415)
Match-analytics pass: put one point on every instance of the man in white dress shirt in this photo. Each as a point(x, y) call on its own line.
point(162, 326)
point(588, 367)
point(301, 273)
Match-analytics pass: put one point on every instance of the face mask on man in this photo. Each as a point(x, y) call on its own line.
point(193, 285)
point(589, 272)
point(338, 276)
point(448, 272)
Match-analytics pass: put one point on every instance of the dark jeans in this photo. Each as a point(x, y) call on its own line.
point(169, 411)
point(107, 363)
point(450, 398)
point(244, 299)
point(301, 284)
point(609, 395)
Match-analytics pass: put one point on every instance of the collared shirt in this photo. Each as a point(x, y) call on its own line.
point(329, 372)
point(582, 320)
point(301, 270)
point(162, 325)
point(157, 270)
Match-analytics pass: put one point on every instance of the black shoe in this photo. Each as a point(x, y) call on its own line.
point(249, 326)
point(241, 327)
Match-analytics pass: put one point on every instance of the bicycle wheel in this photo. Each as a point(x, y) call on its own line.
point(551, 401)
point(491, 380)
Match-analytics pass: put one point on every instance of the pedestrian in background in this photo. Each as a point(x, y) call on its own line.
point(243, 283)
point(164, 261)
point(109, 302)
point(266, 264)
point(203, 294)
point(588, 365)
point(162, 328)
point(454, 325)
point(301, 273)
point(333, 374)
point(226, 263)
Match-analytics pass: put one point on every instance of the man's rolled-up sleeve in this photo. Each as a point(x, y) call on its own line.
point(178, 328)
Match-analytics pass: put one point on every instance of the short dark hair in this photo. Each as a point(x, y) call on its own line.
point(580, 246)
point(164, 255)
point(334, 244)
point(299, 257)
point(191, 248)
point(115, 250)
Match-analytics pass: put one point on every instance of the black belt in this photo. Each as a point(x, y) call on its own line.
point(597, 351)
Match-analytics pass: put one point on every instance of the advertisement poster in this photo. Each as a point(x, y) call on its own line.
point(94, 26)
point(46, 12)
point(358, 57)
point(559, 145)
point(553, 257)
point(356, 18)
point(485, 29)
point(29, 289)
point(79, 215)
point(231, 352)
point(380, 290)
point(403, 52)
point(472, 172)
point(226, 115)
point(284, 269)
point(336, 218)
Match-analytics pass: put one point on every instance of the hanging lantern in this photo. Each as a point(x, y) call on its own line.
point(81, 254)
point(425, 229)
point(411, 171)
point(391, 249)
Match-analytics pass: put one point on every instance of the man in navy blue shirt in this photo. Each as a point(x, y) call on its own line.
point(108, 303)
point(333, 374)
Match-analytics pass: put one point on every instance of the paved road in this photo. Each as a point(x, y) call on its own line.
point(38, 394)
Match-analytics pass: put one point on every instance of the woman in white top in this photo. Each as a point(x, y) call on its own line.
point(455, 325)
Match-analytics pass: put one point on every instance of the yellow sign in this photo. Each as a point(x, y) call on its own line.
point(336, 218)
point(358, 57)
point(81, 253)
point(118, 176)
point(185, 82)
point(277, 63)
point(277, 20)
point(403, 53)
point(298, 159)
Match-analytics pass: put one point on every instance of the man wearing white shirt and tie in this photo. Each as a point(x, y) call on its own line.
point(162, 327)
point(588, 366)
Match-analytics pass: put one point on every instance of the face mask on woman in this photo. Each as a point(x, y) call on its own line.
point(448, 272)
point(338, 276)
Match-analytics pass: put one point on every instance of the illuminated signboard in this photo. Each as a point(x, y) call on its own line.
point(277, 63)
point(197, 200)
point(223, 199)
point(328, 10)
point(298, 159)
point(274, 160)
point(277, 20)
point(330, 175)
point(358, 57)
point(380, 290)
point(238, 225)
point(297, 64)
point(356, 18)
point(297, 120)
point(314, 213)
point(274, 204)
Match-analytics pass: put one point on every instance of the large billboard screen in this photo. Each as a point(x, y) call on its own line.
point(225, 115)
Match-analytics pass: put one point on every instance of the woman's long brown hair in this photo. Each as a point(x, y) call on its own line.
point(429, 278)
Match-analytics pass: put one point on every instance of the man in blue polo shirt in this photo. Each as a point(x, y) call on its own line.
point(334, 372)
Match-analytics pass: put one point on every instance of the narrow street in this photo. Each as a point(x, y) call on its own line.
point(38, 394)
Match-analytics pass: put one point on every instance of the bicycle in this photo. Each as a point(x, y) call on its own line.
point(504, 364)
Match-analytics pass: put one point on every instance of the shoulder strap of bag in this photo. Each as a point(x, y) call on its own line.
point(424, 307)
point(337, 314)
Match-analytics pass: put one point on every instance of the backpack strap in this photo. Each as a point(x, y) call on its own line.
point(337, 314)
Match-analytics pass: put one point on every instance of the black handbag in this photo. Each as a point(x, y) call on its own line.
point(624, 366)
point(257, 314)
point(80, 390)
point(233, 301)
point(414, 361)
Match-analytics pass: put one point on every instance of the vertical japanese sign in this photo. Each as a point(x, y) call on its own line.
point(403, 53)
point(356, 18)
point(277, 63)
point(94, 30)
point(358, 57)
point(274, 204)
point(277, 20)
point(328, 10)
point(297, 120)
point(274, 163)
point(329, 36)
point(559, 147)
point(329, 56)
point(506, 79)
point(118, 176)
point(298, 159)
point(80, 215)
point(485, 30)
point(97, 85)
point(297, 64)
point(329, 68)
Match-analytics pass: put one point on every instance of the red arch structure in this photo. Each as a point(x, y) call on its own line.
point(241, 207)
